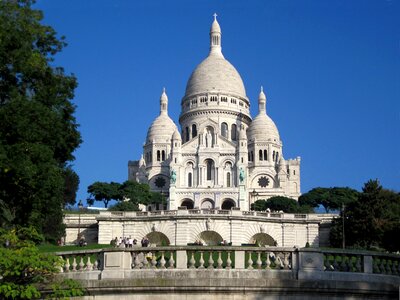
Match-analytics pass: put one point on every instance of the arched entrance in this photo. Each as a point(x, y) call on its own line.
point(262, 239)
point(210, 238)
point(228, 204)
point(158, 238)
point(189, 204)
point(207, 204)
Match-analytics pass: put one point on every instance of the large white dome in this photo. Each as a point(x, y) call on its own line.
point(215, 74)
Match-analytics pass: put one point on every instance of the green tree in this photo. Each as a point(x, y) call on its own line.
point(25, 272)
point(372, 221)
point(104, 191)
point(280, 203)
point(71, 184)
point(329, 198)
point(38, 130)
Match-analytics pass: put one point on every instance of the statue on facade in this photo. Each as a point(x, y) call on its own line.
point(241, 175)
point(173, 176)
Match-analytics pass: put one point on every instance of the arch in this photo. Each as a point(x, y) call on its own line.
point(228, 179)
point(228, 204)
point(187, 135)
point(158, 238)
point(194, 130)
point(210, 238)
point(233, 132)
point(224, 130)
point(162, 155)
point(210, 169)
point(190, 179)
point(158, 155)
point(262, 239)
point(188, 203)
point(260, 154)
point(265, 155)
point(207, 204)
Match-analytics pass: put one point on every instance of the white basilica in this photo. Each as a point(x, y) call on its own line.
point(221, 157)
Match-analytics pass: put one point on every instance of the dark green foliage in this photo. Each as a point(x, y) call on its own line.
point(124, 206)
point(71, 184)
point(103, 191)
point(329, 198)
point(25, 271)
point(280, 203)
point(38, 131)
point(372, 221)
point(137, 193)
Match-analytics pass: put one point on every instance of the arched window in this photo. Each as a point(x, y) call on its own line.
point(194, 130)
point(252, 156)
point(163, 155)
point(187, 136)
point(233, 132)
point(151, 157)
point(224, 130)
point(276, 156)
point(158, 155)
point(260, 154)
point(265, 155)
point(228, 179)
point(273, 155)
point(189, 179)
point(249, 156)
point(210, 167)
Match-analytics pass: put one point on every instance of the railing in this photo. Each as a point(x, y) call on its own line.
point(221, 212)
point(232, 257)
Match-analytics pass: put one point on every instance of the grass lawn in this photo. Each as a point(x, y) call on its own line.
point(54, 248)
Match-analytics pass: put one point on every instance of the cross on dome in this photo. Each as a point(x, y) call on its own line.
point(215, 16)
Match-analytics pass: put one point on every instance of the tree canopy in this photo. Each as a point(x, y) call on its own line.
point(329, 198)
point(133, 192)
point(38, 130)
point(371, 221)
point(280, 203)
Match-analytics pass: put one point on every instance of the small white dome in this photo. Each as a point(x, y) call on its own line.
point(176, 135)
point(161, 130)
point(215, 27)
point(262, 128)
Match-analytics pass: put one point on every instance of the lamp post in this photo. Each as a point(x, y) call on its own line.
point(343, 236)
point(80, 206)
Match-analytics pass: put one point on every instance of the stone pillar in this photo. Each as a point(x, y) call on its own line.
point(114, 263)
point(173, 202)
point(239, 260)
point(243, 203)
point(181, 259)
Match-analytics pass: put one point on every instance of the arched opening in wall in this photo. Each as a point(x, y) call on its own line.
point(210, 169)
point(158, 238)
point(262, 239)
point(189, 179)
point(188, 203)
point(265, 155)
point(207, 204)
point(260, 155)
point(210, 238)
point(233, 132)
point(158, 155)
point(228, 179)
point(224, 130)
point(228, 204)
point(162, 155)
point(194, 130)
point(187, 136)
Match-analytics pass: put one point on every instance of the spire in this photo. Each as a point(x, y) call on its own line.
point(262, 100)
point(164, 103)
point(215, 38)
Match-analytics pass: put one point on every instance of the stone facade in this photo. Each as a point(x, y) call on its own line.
point(221, 157)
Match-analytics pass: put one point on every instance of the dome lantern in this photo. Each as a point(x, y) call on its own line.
point(215, 38)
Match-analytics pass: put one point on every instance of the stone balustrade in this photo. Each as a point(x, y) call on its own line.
point(242, 272)
point(184, 212)
point(228, 257)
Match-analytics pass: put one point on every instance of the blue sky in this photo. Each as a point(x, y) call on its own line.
point(330, 70)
